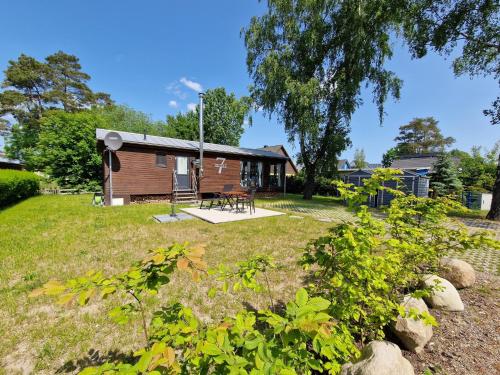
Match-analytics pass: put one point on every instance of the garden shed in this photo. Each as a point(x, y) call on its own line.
point(412, 184)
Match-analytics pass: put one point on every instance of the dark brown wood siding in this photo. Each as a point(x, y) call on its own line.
point(135, 172)
point(212, 180)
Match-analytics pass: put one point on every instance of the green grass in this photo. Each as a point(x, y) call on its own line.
point(470, 214)
point(48, 237)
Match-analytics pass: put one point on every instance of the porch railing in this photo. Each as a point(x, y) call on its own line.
point(194, 182)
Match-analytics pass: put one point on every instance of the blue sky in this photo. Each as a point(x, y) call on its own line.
point(151, 54)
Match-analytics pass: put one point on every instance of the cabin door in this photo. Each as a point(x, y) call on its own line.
point(182, 168)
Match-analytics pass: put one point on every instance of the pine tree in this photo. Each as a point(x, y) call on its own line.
point(444, 179)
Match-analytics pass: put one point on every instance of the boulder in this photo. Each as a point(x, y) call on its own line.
point(459, 273)
point(414, 334)
point(377, 358)
point(446, 298)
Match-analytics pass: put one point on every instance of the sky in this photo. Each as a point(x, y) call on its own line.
point(155, 55)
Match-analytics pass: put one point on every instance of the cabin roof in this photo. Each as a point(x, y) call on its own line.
point(277, 149)
point(182, 144)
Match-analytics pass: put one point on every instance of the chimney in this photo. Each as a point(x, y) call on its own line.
point(201, 133)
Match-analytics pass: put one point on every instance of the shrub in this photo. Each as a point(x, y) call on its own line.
point(301, 339)
point(324, 186)
point(365, 268)
point(17, 185)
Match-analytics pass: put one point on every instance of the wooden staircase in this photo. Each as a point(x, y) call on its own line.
point(180, 196)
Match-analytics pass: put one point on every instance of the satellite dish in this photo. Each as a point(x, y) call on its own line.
point(113, 141)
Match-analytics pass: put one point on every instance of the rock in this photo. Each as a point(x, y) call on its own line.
point(414, 334)
point(459, 273)
point(377, 358)
point(447, 298)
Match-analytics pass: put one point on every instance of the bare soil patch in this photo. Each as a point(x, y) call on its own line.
point(466, 342)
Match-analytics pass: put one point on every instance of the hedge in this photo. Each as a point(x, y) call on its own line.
point(324, 186)
point(17, 185)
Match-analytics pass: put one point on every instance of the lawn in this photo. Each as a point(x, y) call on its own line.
point(60, 237)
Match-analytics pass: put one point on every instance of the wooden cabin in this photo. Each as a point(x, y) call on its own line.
point(151, 167)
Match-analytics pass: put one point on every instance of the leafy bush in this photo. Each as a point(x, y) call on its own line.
point(324, 186)
point(302, 339)
point(17, 185)
point(365, 268)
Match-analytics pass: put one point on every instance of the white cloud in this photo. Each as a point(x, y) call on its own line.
point(175, 89)
point(191, 107)
point(195, 86)
point(173, 104)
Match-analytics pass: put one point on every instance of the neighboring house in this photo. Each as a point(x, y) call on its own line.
point(374, 166)
point(422, 164)
point(343, 164)
point(413, 184)
point(6, 163)
point(290, 167)
point(144, 167)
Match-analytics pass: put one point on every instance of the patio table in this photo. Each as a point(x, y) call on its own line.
point(231, 197)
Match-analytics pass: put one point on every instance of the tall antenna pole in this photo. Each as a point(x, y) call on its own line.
point(201, 95)
point(110, 177)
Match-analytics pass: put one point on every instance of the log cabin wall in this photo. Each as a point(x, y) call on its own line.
point(136, 173)
point(220, 172)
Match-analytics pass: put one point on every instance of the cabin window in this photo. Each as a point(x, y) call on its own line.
point(275, 173)
point(161, 160)
point(250, 173)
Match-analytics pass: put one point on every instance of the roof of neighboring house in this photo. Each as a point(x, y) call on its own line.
point(181, 144)
point(374, 165)
point(343, 164)
point(369, 172)
point(423, 161)
point(277, 149)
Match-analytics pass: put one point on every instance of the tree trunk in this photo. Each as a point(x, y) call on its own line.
point(494, 213)
point(310, 184)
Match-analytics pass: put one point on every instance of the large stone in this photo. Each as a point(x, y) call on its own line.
point(414, 334)
point(444, 298)
point(379, 358)
point(459, 273)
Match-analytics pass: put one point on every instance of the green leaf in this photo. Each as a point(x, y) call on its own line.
point(211, 349)
point(212, 292)
point(318, 304)
point(144, 361)
point(301, 297)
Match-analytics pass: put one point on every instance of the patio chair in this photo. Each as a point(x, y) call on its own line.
point(225, 198)
point(248, 199)
point(217, 199)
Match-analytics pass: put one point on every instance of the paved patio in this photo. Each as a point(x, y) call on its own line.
point(217, 216)
point(336, 213)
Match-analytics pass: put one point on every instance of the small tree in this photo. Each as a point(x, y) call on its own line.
point(390, 155)
point(444, 179)
point(66, 148)
point(359, 159)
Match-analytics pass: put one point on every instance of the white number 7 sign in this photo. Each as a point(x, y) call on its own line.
point(221, 165)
